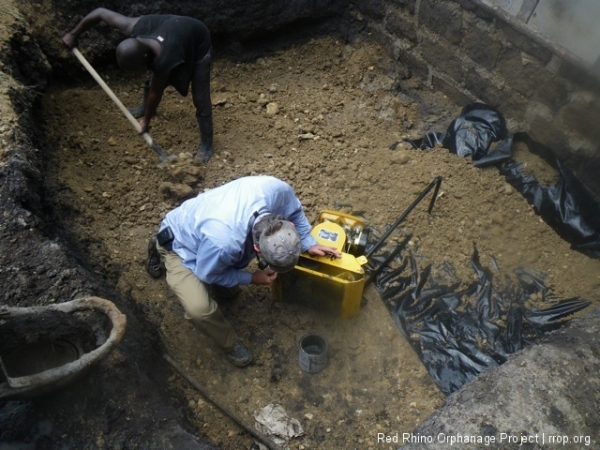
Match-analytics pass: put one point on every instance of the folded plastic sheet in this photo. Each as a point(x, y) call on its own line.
point(459, 330)
point(472, 135)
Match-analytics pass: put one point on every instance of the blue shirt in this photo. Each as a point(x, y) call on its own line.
point(213, 231)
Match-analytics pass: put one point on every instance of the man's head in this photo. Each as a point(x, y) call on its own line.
point(278, 242)
point(132, 55)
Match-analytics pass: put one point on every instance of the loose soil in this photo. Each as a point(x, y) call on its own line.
point(323, 115)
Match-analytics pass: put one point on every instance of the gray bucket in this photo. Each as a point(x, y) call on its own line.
point(312, 353)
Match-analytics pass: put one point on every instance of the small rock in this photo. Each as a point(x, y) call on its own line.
point(262, 100)
point(399, 157)
point(272, 108)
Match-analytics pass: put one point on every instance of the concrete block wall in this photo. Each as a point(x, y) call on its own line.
point(475, 53)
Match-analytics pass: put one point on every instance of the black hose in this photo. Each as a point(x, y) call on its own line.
point(437, 181)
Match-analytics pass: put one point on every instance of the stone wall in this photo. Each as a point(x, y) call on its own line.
point(473, 52)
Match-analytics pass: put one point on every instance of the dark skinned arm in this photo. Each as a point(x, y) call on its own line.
point(115, 20)
point(158, 83)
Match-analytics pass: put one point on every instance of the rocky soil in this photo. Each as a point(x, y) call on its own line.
point(327, 114)
point(324, 115)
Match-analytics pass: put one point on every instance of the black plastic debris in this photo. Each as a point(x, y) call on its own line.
point(430, 140)
point(566, 205)
point(472, 135)
point(480, 133)
point(459, 330)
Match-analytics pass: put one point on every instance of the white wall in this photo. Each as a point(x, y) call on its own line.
point(570, 24)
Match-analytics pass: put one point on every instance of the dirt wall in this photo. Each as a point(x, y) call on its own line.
point(232, 22)
point(473, 52)
point(41, 264)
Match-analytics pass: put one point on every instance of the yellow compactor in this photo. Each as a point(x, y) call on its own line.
point(331, 285)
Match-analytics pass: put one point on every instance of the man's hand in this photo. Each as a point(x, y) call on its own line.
point(70, 40)
point(322, 250)
point(144, 124)
point(266, 276)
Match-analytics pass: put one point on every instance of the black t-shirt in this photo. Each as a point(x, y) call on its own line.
point(183, 41)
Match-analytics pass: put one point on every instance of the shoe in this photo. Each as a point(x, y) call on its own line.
point(239, 355)
point(205, 152)
point(154, 265)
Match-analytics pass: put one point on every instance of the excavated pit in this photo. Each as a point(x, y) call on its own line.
point(354, 115)
point(326, 115)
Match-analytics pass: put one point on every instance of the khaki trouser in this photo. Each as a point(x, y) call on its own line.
point(194, 296)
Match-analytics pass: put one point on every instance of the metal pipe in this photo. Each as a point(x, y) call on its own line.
point(389, 259)
point(437, 181)
point(257, 434)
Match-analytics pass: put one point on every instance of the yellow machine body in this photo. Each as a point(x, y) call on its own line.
point(320, 282)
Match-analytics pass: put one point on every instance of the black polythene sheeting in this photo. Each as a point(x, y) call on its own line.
point(472, 135)
point(566, 206)
point(459, 331)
